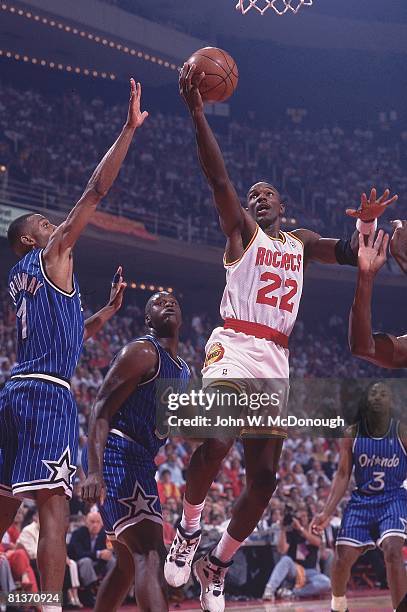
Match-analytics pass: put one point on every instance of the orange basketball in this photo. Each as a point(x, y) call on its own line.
point(221, 73)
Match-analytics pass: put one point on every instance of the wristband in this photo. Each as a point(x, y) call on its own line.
point(365, 227)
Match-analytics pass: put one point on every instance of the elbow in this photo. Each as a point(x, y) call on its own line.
point(96, 192)
point(360, 351)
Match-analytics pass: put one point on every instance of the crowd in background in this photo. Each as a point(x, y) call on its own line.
point(307, 464)
point(55, 144)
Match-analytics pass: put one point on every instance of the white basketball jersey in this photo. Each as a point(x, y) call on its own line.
point(265, 285)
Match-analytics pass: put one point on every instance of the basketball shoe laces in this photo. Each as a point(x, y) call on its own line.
point(182, 553)
point(217, 579)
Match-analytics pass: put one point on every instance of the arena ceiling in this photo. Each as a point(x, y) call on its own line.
point(169, 31)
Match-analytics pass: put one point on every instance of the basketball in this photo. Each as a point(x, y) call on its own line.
point(221, 73)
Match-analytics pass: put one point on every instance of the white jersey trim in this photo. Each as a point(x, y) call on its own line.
point(45, 377)
point(252, 239)
point(117, 432)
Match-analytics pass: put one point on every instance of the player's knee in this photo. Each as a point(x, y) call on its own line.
point(343, 559)
point(53, 512)
point(392, 552)
point(262, 485)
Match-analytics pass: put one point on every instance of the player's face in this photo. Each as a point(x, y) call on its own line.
point(41, 230)
point(165, 313)
point(379, 399)
point(264, 204)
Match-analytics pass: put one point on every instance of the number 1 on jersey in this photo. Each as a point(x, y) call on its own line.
point(22, 314)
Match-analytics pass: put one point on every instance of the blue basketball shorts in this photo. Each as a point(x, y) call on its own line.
point(369, 520)
point(131, 488)
point(38, 437)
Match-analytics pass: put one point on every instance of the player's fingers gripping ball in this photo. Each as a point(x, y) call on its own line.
point(215, 73)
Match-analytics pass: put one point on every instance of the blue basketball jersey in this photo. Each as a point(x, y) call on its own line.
point(136, 418)
point(380, 463)
point(50, 322)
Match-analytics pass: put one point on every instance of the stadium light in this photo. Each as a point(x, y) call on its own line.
point(112, 44)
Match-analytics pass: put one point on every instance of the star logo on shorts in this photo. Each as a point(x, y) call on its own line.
point(140, 503)
point(61, 470)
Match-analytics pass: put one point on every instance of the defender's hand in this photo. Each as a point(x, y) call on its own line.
point(372, 257)
point(372, 208)
point(93, 489)
point(319, 523)
point(117, 290)
point(189, 83)
point(135, 118)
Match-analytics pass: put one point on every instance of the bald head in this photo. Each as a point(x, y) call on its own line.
point(163, 313)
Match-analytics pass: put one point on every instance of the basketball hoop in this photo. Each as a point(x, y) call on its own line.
point(279, 6)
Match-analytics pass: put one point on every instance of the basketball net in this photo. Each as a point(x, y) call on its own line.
point(279, 6)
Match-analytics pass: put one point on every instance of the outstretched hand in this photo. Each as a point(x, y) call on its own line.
point(189, 82)
point(117, 290)
point(372, 208)
point(372, 256)
point(135, 118)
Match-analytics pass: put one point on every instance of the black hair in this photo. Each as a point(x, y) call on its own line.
point(16, 229)
point(364, 400)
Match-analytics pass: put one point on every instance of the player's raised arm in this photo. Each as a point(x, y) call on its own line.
point(100, 182)
point(95, 323)
point(382, 349)
point(136, 362)
point(344, 252)
point(339, 485)
point(233, 217)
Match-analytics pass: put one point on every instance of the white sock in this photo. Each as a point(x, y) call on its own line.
point(191, 516)
point(51, 608)
point(339, 604)
point(226, 548)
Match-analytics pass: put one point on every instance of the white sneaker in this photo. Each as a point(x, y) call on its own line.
point(177, 567)
point(210, 573)
point(284, 593)
point(268, 594)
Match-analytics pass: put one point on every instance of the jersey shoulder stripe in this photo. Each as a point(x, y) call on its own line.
point(252, 239)
point(49, 281)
